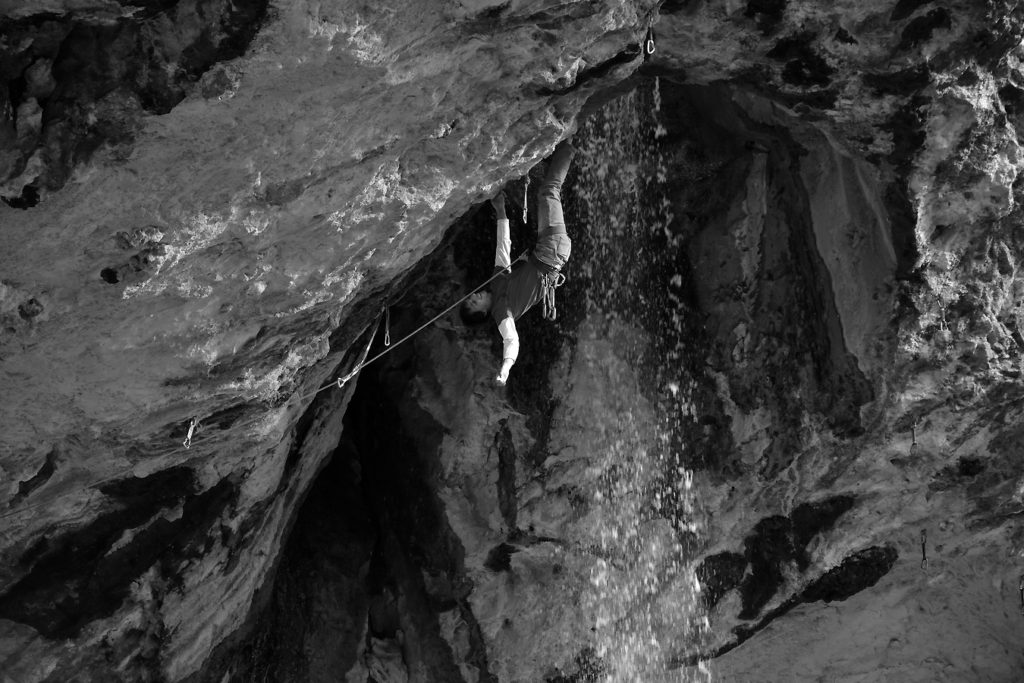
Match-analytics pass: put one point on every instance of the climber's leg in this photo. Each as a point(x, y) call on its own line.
point(549, 210)
point(553, 243)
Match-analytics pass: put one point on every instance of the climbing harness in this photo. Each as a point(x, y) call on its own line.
point(341, 381)
point(187, 443)
point(549, 282)
point(526, 197)
point(649, 46)
point(924, 553)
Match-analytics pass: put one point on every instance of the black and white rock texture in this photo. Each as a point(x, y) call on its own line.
point(788, 351)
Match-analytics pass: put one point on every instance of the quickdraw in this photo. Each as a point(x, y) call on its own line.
point(924, 549)
point(187, 443)
point(549, 282)
point(526, 198)
point(649, 45)
point(341, 381)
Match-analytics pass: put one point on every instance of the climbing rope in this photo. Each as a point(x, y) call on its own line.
point(549, 283)
point(341, 381)
point(556, 280)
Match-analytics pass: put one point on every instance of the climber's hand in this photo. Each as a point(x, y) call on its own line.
point(502, 378)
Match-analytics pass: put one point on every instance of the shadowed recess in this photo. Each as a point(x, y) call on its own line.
point(38, 479)
point(857, 572)
point(777, 542)
point(371, 556)
point(86, 574)
point(718, 574)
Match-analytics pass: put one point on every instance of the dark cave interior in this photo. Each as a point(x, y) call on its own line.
point(372, 526)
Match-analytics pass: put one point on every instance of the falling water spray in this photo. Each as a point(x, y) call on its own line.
point(644, 594)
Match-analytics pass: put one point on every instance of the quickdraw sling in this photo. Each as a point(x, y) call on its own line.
point(549, 282)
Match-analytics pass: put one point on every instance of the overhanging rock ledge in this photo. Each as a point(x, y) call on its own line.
point(206, 203)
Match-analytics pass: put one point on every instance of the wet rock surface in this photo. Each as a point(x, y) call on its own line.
point(788, 351)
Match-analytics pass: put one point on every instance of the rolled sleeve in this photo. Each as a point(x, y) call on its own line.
point(503, 250)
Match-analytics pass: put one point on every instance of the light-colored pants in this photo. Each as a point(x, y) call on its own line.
point(553, 243)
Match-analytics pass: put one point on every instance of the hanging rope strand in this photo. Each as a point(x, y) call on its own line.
point(442, 313)
point(341, 381)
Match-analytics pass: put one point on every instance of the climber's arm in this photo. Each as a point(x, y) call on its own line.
point(510, 348)
point(503, 259)
point(503, 247)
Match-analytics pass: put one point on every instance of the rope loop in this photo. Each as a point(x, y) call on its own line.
point(387, 325)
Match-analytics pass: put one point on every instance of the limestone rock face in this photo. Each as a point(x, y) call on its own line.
point(773, 434)
point(204, 203)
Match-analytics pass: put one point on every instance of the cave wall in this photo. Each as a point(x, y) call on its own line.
point(194, 251)
point(848, 539)
point(803, 519)
point(206, 204)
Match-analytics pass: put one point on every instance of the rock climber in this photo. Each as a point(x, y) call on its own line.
point(531, 278)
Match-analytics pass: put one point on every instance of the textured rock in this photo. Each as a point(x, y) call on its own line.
point(789, 343)
point(212, 258)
